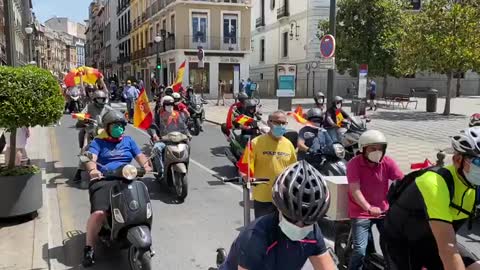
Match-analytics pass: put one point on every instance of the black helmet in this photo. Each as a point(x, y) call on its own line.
point(319, 96)
point(242, 96)
point(113, 116)
point(301, 194)
point(168, 91)
point(89, 87)
point(249, 103)
point(315, 113)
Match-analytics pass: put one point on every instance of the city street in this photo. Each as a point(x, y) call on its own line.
point(185, 235)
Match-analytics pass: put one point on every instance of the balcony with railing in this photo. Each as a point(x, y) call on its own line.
point(226, 43)
point(282, 12)
point(259, 22)
point(120, 9)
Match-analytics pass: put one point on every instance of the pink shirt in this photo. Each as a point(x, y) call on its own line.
point(374, 183)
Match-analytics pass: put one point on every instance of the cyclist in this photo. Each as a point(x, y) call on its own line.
point(420, 227)
point(288, 237)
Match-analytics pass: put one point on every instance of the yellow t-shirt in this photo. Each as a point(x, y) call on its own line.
point(270, 158)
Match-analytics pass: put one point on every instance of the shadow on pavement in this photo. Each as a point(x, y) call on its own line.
point(70, 254)
point(414, 116)
point(160, 191)
point(218, 151)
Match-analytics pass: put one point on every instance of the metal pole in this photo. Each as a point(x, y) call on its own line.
point(30, 47)
point(313, 87)
point(308, 81)
point(157, 71)
point(9, 33)
point(331, 72)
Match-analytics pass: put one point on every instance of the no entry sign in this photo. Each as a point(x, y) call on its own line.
point(327, 46)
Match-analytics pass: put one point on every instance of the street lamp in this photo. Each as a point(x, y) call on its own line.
point(157, 40)
point(29, 31)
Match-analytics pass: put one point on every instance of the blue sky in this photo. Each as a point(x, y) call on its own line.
point(76, 10)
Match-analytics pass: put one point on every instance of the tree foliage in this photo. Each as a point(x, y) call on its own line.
point(367, 32)
point(444, 37)
point(29, 96)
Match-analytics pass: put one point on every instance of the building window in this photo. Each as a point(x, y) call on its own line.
point(199, 27)
point(230, 27)
point(158, 29)
point(172, 23)
point(285, 44)
point(262, 50)
point(164, 25)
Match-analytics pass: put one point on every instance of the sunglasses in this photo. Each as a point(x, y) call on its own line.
point(278, 123)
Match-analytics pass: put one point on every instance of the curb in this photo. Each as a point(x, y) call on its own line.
point(213, 122)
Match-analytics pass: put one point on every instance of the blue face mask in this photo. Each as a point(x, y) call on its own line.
point(473, 176)
point(278, 130)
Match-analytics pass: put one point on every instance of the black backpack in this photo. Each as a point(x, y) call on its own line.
point(398, 187)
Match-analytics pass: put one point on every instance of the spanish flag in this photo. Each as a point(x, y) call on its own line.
point(80, 116)
point(244, 120)
point(339, 117)
point(143, 117)
point(298, 115)
point(246, 163)
point(179, 79)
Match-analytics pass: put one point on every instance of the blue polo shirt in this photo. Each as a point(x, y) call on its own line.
point(263, 246)
point(114, 154)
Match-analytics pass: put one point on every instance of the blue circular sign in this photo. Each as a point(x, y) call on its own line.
point(327, 46)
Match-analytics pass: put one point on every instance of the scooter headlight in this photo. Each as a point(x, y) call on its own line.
point(181, 147)
point(149, 210)
point(118, 215)
point(129, 172)
point(197, 107)
point(339, 150)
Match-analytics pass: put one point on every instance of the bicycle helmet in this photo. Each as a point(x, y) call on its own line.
point(113, 116)
point(370, 137)
point(474, 120)
point(301, 194)
point(315, 115)
point(242, 97)
point(167, 101)
point(468, 142)
point(319, 96)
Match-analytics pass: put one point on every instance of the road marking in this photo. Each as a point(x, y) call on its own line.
point(201, 166)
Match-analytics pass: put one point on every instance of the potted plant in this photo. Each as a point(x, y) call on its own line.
point(31, 97)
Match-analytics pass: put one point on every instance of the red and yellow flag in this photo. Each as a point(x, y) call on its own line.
point(298, 115)
point(339, 117)
point(246, 163)
point(143, 117)
point(80, 116)
point(244, 120)
point(179, 79)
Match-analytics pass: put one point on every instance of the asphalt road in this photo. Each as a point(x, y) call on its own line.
point(186, 234)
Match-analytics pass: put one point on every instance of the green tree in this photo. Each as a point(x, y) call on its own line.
point(444, 37)
point(29, 96)
point(367, 32)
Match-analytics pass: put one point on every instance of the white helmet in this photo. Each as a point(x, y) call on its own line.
point(370, 137)
point(468, 142)
point(176, 95)
point(167, 100)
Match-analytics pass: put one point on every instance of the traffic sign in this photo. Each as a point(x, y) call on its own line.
point(327, 46)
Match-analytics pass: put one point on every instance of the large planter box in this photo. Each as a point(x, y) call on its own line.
point(20, 195)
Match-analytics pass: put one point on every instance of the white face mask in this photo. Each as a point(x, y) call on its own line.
point(292, 231)
point(375, 156)
point(169, 109)
point(473, 176)
point(339, 105)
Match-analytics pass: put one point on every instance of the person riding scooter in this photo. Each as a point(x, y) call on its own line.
point(96, 110)
point(313, 139)
point(235, 110)
point(319, 100)
point(167, 120)
point(112, 151)
point(334, 114)
point(179, 105)
point(249, 110)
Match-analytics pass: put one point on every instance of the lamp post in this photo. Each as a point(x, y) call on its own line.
point(157, 40)
point(29, 31)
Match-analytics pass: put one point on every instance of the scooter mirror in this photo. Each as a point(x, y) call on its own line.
point(84, 158)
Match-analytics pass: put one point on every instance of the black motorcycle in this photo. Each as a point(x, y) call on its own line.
point(197, 114)
point(351, 132)
point(130, 217)
point(331, 162)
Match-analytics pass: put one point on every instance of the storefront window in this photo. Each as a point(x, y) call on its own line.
point(199, 78)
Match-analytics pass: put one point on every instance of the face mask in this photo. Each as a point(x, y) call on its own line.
point(169, 109)
point(279, 131)
point(292, 231)
point(339, 105)
point(375, 156)
point(117, 131)
point(474, 175)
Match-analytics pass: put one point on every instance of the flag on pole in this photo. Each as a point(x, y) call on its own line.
point(143, 117)
point(339, 117)
point(244, 120)
point(298, 116)
point(179, 78)
point(246, 162)
point(229, 123)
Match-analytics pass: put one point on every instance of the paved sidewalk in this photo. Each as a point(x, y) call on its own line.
point(413, 134)
point(24, 243)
